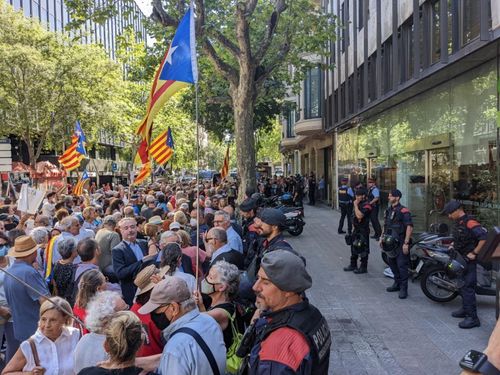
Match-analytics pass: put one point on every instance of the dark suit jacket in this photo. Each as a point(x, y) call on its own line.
point(233, 257)
point(126, 267)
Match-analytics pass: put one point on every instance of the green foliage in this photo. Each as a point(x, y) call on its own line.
point(47, 83)
point(268, 143)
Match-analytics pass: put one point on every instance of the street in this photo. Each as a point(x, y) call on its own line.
point(374, 332)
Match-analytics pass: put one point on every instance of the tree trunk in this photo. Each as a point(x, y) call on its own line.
point(243, 103)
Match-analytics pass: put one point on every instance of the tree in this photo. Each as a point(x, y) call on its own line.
point(47, 83)
point(268, 143)
point(249, 43)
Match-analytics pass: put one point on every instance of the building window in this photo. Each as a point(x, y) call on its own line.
point(336, 106)
point(361, 13)
point(470, 27)
point(435, 32)
point(372, 77)
point(290, 117)
point(343, 29)
point(342, 113)
point(312, 93)
point(350, 98)
point(359, 89)
point(405, 40)
point(386, 55)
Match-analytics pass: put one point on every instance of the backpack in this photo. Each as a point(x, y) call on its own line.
point(233, 362)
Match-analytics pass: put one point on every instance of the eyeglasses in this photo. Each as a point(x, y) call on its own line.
point(210, 239)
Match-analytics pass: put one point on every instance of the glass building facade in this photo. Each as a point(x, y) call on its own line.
point(54, 14)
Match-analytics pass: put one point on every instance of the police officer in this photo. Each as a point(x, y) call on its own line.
point(346, 196)
point(398, 228)
point(360, 242)
point(291, 336)
point(250, 237)
point(468, 239)
point(374, 198)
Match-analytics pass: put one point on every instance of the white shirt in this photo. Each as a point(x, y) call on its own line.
point(89, 351)
point(56, 357)
point(189, 279)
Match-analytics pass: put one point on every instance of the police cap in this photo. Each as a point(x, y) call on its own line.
point(396, 193)
point(450, 207)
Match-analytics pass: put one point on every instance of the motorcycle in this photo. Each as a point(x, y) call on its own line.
point(294, 223)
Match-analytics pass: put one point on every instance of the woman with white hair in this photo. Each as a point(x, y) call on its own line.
point(100, 310)
point(64, 270)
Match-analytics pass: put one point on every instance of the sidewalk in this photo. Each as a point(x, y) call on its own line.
point(373, 331)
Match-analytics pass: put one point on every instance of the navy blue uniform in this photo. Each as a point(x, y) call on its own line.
point(467, 232)
point(361, 232)
point(396, 220)
point(373, 193)
point(346, 196)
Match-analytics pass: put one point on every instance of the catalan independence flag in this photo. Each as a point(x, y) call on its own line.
point(72, 157)
point(78, 189)
point(49, 252)
point(162, 148)
point(178, 69)
point(143, 174)
point(225, 166)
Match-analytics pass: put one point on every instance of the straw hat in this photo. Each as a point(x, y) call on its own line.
point(155, 220)
point(143, 279)
point(23, 246)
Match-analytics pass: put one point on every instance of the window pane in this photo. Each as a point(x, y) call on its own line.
point(435, 30)
point(470, 25)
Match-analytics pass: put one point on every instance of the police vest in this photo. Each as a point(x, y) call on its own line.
point(394, 220)
point(371, 196)
point(308, 321)
point(344, 197)
point(464, 240)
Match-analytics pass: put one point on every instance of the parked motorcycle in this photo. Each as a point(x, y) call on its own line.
point(294, 223)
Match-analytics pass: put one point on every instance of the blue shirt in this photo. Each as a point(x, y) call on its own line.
point(234, 240)
point(221, 250)
point(183, 356)
point(24, 302)
point(349, 190)
point(136, 249)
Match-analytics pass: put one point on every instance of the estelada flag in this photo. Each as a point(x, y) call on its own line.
point(178, 69)
point(162, 148)
point(78, 189)
point(73, 155)
point(143, 174)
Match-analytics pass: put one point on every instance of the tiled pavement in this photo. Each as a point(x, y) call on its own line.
point(373, 331)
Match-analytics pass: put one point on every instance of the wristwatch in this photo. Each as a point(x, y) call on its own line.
point(478, 362)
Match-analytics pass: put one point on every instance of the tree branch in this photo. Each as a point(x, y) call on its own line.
point(272, 23)
point(250, 8)
point(226, 70)
point(266, 71)
point(225, 42)
point(160, 15)
point(243, 35)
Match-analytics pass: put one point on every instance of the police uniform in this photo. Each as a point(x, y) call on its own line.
point(360, 245)
point(396, 220)
point(374, 192)
point(467, 232)
point(346, 197)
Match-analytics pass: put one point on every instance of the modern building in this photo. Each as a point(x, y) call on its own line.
point(412, 100)
point(104, 163)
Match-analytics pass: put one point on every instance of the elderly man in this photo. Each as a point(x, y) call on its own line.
point(147, 209)
point(70, 227)
point(107, 239)
point(129, 257)
point(291, 336)
point(223, 219)
point(194, 341)
point(218, 248)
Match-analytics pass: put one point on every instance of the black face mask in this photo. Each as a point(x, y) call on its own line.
point(160, 320)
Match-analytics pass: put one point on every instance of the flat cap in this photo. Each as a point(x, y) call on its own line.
point(450, 207)
point(248, 205)
point(272, 216)
point(396, 193)
point(286, 270)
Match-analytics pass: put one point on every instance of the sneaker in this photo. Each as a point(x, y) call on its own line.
point(458, 314)
point(469, 322)
point(360, 270)
point(350, 268)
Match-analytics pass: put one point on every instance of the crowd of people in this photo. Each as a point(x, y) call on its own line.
point(172, 278)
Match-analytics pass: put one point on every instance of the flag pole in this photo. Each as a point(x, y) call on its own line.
point(197, 182)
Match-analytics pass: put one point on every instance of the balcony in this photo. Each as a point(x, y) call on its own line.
point(288, 144)
point(309, 127)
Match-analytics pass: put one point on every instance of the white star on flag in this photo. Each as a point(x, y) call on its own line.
point(170, 53)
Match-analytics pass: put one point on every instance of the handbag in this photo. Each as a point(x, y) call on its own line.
point(233, 362)
point(36, 359)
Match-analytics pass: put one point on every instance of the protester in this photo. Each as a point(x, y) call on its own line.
point(49, 350)
point(64, 270)
point(90, 283)
point(107, 239)
point(172, 258)
point(6, 325)
point(223, 219)
point(124, 337)
point(218, 248)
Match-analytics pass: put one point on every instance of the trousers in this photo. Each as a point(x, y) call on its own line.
point(399, 267)
point(468, 291)
point(345, 212)
point(374, 220)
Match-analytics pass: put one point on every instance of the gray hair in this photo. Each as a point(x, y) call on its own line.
point(67, 222)
point(168, 234)
point(150, 199)
point(40, 235)
point(109, 220)
point(229, 275)
point(100, 310)
point(66, 246)
point(219, 234)
point(227, 217)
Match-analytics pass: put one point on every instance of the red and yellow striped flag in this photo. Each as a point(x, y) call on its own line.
point(49, 252)
point(71, 158)
point(78, 188)
point(225, 167)
point(143, 174)
point(162, 148)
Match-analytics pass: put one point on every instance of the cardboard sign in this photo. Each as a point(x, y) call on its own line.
point(30, 199)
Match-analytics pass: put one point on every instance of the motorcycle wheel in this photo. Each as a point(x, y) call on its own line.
point(431, 290)
point(296, 231)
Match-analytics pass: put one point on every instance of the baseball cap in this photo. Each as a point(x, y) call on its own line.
point(286, 270)
point(170, 289)
point(272, 216)
point(174, 225)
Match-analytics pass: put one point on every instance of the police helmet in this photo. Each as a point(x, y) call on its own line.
point(456, 266)
point(359, 245)
point(286, 199)
point(390, 245)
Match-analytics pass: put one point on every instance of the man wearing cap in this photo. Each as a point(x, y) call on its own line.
point(23, 301)
point(398, 228)
point(291, 335)
point(360, 243)
point(468, 239)
point(250, 235)
point(346, 196)
point(191, 337)
point(374, 198)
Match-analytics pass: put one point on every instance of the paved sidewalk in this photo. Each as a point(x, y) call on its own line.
point(373, 331)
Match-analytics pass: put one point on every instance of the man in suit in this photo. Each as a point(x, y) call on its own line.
point(129, 257)
point(218, 248)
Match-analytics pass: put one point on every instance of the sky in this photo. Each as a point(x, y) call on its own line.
point(145, 6)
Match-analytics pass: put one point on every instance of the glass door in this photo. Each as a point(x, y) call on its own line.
point(440, 182)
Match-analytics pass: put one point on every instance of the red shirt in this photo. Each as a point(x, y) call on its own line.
point(80, 314)
point(153, 343)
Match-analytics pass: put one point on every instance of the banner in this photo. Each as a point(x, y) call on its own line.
point(30, 199)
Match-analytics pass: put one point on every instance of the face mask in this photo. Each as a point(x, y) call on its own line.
point(207, 287)
point(160, 320)
point(4, 249)
point(193, 222)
